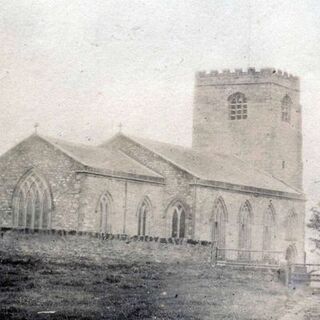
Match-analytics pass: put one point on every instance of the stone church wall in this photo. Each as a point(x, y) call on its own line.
point(263, 138)
point(76, 195)
point(58, 170)
point(126, 197)
point(177, 181)
point(233, 201)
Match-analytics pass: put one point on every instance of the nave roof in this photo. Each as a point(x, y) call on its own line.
point(213, 167)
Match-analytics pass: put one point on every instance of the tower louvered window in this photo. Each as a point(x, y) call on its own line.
point(238, 107)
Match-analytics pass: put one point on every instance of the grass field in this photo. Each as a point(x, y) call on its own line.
point(116, 280)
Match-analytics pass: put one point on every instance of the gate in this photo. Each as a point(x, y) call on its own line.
point(306, 274)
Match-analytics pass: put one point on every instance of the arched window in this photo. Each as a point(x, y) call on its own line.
point(219, 223)
point(292, 222)
point(32, 202)
point(245, 221)
point(291, 254)
point(238, 108)
point(286, 109)
point(268, 228)
point(104, 211)
point(178, 220)
point(144, 217)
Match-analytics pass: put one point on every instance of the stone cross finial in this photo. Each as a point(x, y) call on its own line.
point(36, 126)
point(120, 127)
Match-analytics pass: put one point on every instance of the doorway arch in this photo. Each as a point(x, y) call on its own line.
point(291, 254)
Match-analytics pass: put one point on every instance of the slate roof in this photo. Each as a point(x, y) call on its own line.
point(107, 160)
point(215, 166)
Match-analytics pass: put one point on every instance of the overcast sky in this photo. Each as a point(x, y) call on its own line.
point(79, 68)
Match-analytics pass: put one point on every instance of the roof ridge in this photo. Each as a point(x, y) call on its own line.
point(67, 152)
point(160, 142)
point(72, 143)
point(106, 153)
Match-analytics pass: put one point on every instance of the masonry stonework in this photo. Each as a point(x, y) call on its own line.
point(126, 198)
point(262, 139)
point(128, 172)
point(58, 169)
point(177, 181)
point(233, 201)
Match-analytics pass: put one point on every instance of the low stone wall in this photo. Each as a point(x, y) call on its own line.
point(106, 236)
point(95, 246)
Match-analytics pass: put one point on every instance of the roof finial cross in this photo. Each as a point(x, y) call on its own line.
point(120, 126)
point(36, 126)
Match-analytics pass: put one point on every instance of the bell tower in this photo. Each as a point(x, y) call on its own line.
point(254, 115)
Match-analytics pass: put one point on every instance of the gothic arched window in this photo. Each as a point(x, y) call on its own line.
point(219, 223)
point(104, 211)
point(245, 221)
point(286, 109)
point(32, 202)
point(238, 108)
point(178, 222)
point(144, 217)
point(292, 222)
point(268, 228)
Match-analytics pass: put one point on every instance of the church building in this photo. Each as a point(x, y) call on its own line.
point(239, 185)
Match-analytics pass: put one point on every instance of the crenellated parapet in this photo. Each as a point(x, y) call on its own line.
point(249, 76)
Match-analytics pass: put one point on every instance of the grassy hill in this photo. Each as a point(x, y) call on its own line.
point(86, 278)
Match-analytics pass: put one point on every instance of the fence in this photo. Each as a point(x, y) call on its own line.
point(304, 274)
point(247, 257)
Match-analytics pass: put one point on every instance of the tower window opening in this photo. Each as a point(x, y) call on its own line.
point(238, 108)
point(286, 109)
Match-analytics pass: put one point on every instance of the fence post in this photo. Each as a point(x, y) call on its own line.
point(288, 274)
point(213, 255)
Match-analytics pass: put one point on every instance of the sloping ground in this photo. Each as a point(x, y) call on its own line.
point(84, 278)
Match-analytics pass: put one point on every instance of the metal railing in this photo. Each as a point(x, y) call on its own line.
point(247, 257)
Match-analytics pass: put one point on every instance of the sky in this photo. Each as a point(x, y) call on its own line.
point(81, 67)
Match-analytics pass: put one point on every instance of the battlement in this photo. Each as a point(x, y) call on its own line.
point(251, 75)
